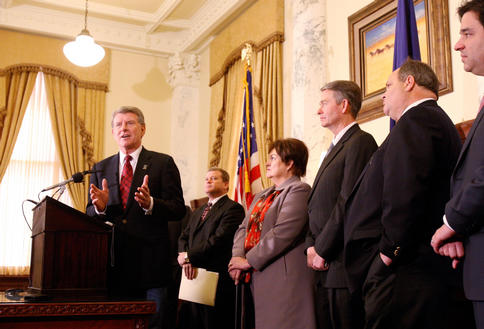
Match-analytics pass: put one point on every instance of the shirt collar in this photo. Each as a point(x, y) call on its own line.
point(414, 104)
point(337, 138)
point(134, 160)
point(213, 201)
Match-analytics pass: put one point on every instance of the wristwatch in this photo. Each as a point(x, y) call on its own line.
point(187, 260)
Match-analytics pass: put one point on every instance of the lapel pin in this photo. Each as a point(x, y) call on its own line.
point(145, 166)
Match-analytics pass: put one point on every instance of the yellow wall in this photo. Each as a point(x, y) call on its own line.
point(141, 81)
point(19, 47)
point(261, 20)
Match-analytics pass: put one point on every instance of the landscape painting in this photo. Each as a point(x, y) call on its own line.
point(371, 32)
point(379, 41)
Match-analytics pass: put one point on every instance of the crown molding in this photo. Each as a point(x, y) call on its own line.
point(126, 30)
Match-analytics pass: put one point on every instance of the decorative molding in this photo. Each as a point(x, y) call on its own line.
point(120, 28)
point(71, 309)
point(98, 8)
point(165, 9)
point(184, 69)
point(107, 33)
point(212, 14)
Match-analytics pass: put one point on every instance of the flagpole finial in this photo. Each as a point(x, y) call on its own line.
point(246, 53)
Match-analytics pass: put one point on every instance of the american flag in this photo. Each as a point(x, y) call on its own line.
point(406, 37)
point(248, 169)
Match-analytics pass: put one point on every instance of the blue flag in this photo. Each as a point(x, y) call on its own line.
point(406, 37)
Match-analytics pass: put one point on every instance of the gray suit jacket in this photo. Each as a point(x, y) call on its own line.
point(465, 210)
point(282, 283)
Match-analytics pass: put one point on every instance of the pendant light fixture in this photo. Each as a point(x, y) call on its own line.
point(84, 51)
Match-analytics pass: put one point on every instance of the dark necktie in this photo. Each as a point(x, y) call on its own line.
point(330, 148)
point(205, 211)
point(126, 179)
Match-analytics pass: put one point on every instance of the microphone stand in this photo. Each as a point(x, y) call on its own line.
point(60, 190)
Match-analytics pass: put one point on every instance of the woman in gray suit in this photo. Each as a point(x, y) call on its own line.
point(268, 246)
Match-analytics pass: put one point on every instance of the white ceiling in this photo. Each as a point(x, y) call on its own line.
point(157, 27)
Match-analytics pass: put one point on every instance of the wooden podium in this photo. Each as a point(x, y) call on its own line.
point(69, 251)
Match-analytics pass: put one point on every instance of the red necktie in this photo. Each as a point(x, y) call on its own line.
point(481, 105)
point(205, 211)
point(126, 179)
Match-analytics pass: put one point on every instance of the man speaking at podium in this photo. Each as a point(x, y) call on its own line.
point(138, 191)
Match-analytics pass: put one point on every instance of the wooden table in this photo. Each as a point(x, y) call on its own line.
point(99, 314)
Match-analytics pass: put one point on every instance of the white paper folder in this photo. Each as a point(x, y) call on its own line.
point(200, 290)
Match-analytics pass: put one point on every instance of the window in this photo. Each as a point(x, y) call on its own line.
point(33, 166)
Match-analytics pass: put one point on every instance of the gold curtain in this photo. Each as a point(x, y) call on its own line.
point(77, 114)
point(268, 112)
point(229, 120)
point(268, 101)
point(15, 90)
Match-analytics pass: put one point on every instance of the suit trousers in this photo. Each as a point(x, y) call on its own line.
point(405, 297)
point(479, 313)
point(321, 302)
point(346, 310)
point(222, 316)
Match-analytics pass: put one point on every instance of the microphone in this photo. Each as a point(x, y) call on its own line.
point(85, 172)
point(76, 178)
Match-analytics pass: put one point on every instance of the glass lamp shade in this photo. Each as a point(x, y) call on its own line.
point(84, 51)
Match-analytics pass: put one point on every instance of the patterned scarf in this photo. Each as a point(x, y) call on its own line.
point(254, 228)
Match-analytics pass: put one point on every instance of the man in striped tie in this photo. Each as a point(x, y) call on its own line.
point(206, 242)
point(139, 191)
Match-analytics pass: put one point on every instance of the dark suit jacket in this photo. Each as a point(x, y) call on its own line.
point(209, 243)
point(465, 210)
point(333, 184)
point(209, 246)
point(141, 248)
point(398, 201)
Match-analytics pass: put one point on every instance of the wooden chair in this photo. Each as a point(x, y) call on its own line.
point(463, 128)
point(196, 203)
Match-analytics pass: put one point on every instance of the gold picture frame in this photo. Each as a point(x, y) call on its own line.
point(370, 48)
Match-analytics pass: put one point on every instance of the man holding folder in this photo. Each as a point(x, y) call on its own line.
point(206, 243)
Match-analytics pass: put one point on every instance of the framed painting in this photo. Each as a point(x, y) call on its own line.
point(371, 43)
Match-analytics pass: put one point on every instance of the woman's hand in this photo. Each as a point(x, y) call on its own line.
point(239, 263)
point(235, 275)
point(236, 266)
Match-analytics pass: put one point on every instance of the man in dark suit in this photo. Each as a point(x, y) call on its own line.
point(397, 204)
point(349, 152)
point(464, 213)
point(206, 243)
point(139, 191)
